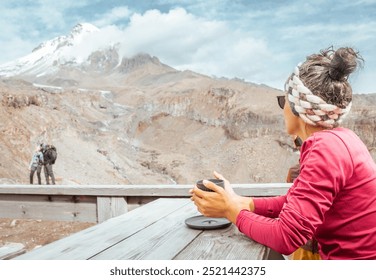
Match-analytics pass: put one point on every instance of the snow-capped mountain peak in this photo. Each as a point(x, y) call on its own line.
point(75, 36)
point(83, 28)
point(85, 54)
point(49, 55)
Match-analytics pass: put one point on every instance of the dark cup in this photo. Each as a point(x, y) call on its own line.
point(218, 182)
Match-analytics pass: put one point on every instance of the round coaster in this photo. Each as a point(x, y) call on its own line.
point(202, 222)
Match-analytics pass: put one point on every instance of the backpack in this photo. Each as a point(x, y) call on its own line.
point(50, 153)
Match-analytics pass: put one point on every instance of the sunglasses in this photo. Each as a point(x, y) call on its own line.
point(281, 101)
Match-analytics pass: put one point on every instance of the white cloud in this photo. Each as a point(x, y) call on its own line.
point(362, 31)
point(52, 14)
point(185, 41)
point(101, 39)
point(111, 17)
point(174, 34)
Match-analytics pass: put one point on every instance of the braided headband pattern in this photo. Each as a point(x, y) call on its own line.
point(311, 108)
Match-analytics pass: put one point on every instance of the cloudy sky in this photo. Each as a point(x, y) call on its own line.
point(258, 41)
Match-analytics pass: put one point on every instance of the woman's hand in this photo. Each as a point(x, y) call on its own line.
point(221, 202)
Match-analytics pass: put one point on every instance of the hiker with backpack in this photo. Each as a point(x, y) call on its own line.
point(36, 165)
point(49, 155)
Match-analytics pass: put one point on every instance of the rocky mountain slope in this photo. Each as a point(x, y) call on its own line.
point(171, 133)
point(118, 120)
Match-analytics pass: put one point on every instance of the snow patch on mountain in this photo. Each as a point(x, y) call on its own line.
point(48, 56)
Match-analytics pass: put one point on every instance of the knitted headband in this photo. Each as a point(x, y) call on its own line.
point(311, 108)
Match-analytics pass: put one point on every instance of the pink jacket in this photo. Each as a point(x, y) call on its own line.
point(333, 199)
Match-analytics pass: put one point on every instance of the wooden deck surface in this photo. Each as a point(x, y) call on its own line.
point(156, 230)
point(11, 250)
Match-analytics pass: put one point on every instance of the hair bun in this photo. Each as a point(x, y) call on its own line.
point(344, 62)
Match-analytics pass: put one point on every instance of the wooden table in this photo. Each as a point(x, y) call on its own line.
point(156, 230)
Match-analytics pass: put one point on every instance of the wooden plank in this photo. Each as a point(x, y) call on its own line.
point(161, 240)
point(225, 244)
point(11, 250)
point(270, 189)
point(42, 207)
point(109, 207)
point(47, 198)
point(89, 242)
point(137, 201)
point(100, 190)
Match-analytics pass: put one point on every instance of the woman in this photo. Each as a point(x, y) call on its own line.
point(334, 197)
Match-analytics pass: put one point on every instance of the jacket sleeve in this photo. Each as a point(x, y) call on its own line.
point(269, 206)
point(323, 168)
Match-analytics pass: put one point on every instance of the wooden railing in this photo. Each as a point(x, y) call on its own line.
point(97, 203)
